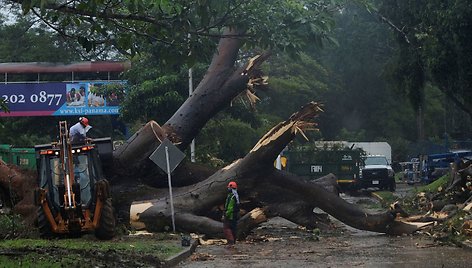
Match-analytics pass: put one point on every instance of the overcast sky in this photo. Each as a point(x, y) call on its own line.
point(6, 12)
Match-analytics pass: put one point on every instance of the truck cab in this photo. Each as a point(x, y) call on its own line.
point(376, 172)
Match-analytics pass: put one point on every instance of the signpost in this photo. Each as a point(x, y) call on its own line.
point(167, 156)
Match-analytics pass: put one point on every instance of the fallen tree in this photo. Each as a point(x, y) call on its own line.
point(16, 190)
point(446, 202)
point(267, 192)
point(263, 186)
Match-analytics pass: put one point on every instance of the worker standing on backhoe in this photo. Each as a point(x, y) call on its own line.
point(78, 132)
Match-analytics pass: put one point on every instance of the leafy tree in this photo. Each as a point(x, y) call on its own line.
point(359, 100)
point(185, 28)
point(224, 139)
point(167, 33)
point(434, 38)
point(293, 81)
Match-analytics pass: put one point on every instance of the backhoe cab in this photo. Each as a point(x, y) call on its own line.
point(73, 197)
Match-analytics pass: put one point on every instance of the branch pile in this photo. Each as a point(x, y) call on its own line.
point(447, 203)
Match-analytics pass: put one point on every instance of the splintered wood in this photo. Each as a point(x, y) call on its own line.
point(296, 124)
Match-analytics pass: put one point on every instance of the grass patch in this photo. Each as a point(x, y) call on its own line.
point(121, 252)
point(42, 260)
point(386, 197)
point(399, 176)
point(11, 226)
point(435, 185)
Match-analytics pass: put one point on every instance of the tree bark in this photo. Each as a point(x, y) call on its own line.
point(257, 177)
point(220, 85)
point(16, 189)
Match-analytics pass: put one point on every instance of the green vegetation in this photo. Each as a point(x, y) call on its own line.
point(339, 58)
point(11, 226)
point(124, 251)
point(432, 44)
point(20, 247)
point(386, 197)
point(398, 176)
point(435, 185)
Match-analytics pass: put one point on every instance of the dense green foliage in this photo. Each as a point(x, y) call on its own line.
point(293, 81)
point(12, 226)
point(186, 28)
point(371, 80)
point(433, 39)
point(362, 103)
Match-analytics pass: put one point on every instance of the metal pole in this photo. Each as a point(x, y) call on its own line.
point(278, 163)
point(190, 91)
point(170, 189)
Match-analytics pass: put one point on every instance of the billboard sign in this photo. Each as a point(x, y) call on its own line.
point(62, 99)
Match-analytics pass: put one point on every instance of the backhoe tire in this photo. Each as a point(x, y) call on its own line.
point(107, 223)
point(43, 225)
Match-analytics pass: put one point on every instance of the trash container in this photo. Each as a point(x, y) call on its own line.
point(23, 157)
point(5, 153)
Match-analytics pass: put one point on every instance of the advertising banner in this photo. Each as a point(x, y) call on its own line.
point(61, 99)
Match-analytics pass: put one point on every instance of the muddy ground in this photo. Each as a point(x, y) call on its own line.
point(280, 243)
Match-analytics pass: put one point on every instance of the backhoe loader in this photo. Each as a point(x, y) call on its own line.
point(73, 196)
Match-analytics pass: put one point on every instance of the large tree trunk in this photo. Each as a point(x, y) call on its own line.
point(266, 186)
point(16, 190)
point(265, 191)
point(220, 85)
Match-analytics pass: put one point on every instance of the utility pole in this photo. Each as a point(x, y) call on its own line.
point(190, 91)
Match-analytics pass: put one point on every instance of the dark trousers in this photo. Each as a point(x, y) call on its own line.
point(229, 230)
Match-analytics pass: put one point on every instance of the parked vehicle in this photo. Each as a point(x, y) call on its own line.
point(376, 173)
point(437, 165)
point(373, 148)
point(315, 163)
point(411, 171)
point(73, 196)
point(370, 148)
point(22, 157)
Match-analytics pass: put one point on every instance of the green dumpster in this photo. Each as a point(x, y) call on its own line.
point(312, 164)
point(5, 153)
point(23, 157)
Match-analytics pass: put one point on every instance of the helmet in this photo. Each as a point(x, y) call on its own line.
point(84, 121)
point(232, 185)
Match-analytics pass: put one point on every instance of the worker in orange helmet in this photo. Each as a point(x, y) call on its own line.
point(78, 132)
point(231, 213)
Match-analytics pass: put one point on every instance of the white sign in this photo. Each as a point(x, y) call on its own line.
point(316, 169)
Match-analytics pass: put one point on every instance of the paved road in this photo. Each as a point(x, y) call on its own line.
point(280, 243)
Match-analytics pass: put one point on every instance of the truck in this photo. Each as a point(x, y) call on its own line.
point(437, 165)
point(376, 172)
point(370, 148)
point(314, 163)
point(73, 197)
point(373, 148)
